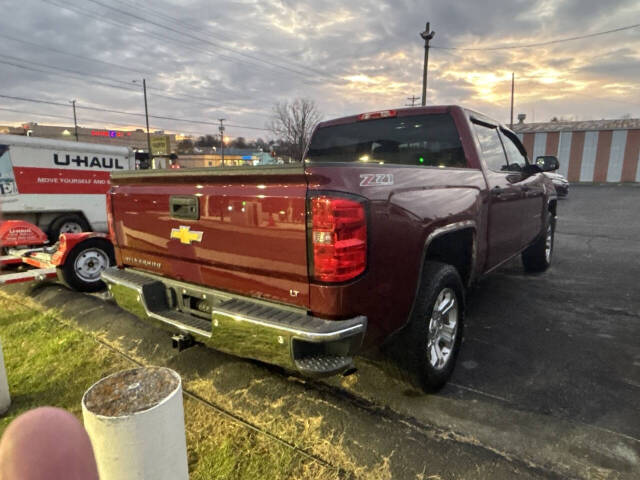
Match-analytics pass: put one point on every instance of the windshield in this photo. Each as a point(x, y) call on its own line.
point(421, 140)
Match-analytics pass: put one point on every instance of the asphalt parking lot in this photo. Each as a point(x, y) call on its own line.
point(547, 384)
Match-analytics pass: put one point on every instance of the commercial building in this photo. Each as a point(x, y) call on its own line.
point(232, 157)
point(136, 139)
point(588, 151)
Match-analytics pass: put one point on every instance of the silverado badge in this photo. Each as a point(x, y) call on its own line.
point(185, 235)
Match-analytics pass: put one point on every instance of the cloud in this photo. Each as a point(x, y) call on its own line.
point(205, 59)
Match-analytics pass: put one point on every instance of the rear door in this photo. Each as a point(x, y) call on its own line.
point(531, 185)
point(240, 232)
point(506, 196)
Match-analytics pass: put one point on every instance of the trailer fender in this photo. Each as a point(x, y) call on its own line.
point(68, 241)
point(18, 233)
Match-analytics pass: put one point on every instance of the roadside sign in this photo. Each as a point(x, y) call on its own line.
point(160, 145)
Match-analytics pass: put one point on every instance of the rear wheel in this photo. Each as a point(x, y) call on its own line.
point(537, 257)
point(70, 223)
point(84, 264)
point(433, 336)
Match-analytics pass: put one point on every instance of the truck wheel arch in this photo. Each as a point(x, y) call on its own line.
point(445, 243)
point(440, 245)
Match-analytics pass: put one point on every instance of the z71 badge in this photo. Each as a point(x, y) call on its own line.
point(376, 179)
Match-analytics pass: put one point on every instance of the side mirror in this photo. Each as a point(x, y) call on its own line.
point(547, 163)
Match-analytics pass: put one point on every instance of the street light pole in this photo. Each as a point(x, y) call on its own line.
point(513, 81)
point(427, 35)
point(221, 128)
point(146, 114)
point(75, 119)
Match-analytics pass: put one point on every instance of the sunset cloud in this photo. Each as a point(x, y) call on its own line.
point(236, 59)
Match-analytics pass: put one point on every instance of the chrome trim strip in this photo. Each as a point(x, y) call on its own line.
point(302, 334)
point(181, 326)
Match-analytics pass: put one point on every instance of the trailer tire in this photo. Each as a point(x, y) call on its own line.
point(68, 223)
point(84, 264)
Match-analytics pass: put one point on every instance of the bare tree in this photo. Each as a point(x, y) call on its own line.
point(293, 123)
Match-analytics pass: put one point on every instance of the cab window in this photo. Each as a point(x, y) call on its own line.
point(492, 150)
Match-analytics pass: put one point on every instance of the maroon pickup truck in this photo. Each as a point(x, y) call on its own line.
point(390, 217)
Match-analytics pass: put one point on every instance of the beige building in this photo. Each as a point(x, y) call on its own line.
point(136, 139)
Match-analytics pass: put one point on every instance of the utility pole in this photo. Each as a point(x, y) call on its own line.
point(427, 35)
point(413, 99)
point(513, 77)
point(221, 128)
point(146, 114)
point(75, 119)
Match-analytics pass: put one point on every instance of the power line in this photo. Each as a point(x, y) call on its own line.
point(74, 55)
point(120, 112)
point(94, 120)
point(147, 33)
point(198, 39)
point(540, 44)
point(81, 76)
point(222, 38)
point(24, 67)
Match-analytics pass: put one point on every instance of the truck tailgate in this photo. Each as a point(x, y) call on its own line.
point(239, 230)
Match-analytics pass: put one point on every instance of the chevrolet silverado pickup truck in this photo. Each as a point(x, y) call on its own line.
point(375, 236)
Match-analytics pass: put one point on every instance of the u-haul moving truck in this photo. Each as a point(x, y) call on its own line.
point(59, 186)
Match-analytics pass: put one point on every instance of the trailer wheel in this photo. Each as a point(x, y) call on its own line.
point(71, 223)
point(84, 264)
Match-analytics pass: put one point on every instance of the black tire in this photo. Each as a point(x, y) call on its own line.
point(422, 329)
point(71, 273)
point(62, 224)
point(536, 258)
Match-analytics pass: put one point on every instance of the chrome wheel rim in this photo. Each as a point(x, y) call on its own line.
point(71, 227)
point(548, 243)
point(90, 264)
point(443, 329)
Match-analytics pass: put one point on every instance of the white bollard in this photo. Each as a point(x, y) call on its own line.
point(135, 420)
point(5, 396)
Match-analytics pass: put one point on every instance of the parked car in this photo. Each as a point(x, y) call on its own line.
point(373, 239)
point(560, 182)
point(58, 185)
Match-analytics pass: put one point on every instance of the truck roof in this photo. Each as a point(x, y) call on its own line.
point(69, 146)
point(399, 112)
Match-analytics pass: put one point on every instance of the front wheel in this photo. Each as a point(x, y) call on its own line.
point(434, 333)
point(537, 257)
point(84, 264)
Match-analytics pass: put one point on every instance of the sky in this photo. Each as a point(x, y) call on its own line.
point(209, 59)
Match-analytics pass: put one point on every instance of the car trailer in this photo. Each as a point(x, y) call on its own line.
point(76, 259)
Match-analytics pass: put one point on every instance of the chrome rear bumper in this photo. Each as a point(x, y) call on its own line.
point(246, 327)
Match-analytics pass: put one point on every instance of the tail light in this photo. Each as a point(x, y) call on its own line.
point(338, 238)
point(111, 225)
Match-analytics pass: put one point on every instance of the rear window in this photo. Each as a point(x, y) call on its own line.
point(420, 140)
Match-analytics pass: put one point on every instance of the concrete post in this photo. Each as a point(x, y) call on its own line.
point(5, 396)
point(135, 420)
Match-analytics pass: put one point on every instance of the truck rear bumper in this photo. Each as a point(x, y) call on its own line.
point(265, 331)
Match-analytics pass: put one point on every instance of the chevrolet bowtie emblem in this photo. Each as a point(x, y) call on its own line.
point(185, 235)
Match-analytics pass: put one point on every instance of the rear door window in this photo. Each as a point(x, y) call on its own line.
point(492, 150)
point(420, 140)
